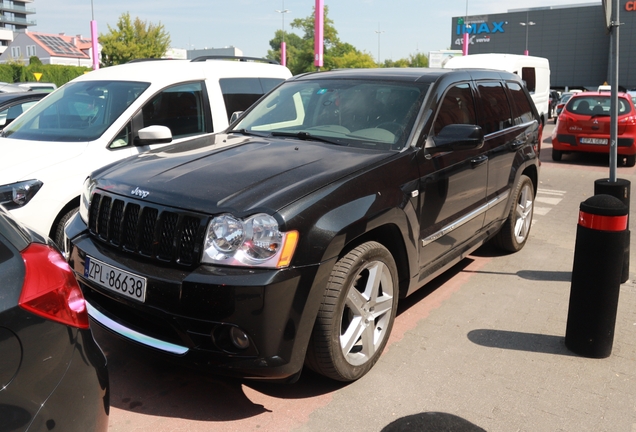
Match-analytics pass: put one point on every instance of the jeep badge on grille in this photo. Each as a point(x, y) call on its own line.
point(140, 193)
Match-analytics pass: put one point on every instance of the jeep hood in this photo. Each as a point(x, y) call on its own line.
point(230, 173)
point(26, 160)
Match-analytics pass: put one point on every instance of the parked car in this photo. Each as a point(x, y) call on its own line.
point(553, 102)
point(584, 126)
point(289, 238)
point(38, 86)
point(109, 114)
point(565, 97)
point(14, 104)
point(6, 87)
point(53, 375)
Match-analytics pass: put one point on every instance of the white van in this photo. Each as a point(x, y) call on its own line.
point(534, 71)
point(110, 114)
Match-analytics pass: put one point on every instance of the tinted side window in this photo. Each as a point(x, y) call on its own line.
point(241, 93)
point(457, 107)
point(495, 115)
point(521, 104)
point(179, 108)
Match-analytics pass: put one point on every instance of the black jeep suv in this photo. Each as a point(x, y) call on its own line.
point(288, 239)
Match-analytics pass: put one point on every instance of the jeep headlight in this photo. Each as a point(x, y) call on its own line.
point(85, 199)
point(18, 194)
point(255, 241)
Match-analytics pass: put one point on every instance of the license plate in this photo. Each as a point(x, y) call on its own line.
point(114, 279)
point(600, 141)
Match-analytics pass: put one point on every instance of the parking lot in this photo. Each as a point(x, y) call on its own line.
point(481, 348)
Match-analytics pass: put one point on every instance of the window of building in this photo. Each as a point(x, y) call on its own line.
point(30, 49)
point(15, 52)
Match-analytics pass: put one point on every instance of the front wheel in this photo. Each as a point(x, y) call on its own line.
point(515, 231)
point(356, 314)
point(58, 237)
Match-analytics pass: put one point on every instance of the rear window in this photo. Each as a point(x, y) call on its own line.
point(240, 93)
point(596, 105)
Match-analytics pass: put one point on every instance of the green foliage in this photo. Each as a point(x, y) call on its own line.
point(336, 54)
point(58, 74)
point(417, 60)
point(34, 60)
point(132, 40)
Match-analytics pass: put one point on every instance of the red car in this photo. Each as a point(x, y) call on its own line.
point(584, 126)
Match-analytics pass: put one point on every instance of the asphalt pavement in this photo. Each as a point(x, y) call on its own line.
point(480, 348)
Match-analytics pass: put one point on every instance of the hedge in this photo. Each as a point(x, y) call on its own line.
point(58, 74)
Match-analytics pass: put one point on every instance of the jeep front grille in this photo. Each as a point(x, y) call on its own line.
point(152, 231)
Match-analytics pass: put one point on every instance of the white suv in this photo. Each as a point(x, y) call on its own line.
point(112, 113)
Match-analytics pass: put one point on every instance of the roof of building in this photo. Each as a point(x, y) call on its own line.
point(61, 45)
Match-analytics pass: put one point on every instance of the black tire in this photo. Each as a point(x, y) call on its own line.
point(58, 236)
point(515, 231)
point(557, 155)
point(356, 314)
point(630, 160)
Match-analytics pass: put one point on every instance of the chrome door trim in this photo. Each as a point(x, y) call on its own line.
point(465, 219)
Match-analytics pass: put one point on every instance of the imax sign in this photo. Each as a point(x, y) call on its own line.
point(481, 28)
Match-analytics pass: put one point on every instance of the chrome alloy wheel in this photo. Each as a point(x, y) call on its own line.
point(367, 313)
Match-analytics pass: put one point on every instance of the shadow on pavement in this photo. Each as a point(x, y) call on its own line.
point(432, 422)
point(511, 340)
point(144, 382)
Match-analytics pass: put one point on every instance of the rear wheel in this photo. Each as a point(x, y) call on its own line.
point(356, 314)
point(556, 155)
point(515, 231)
point(630, 160)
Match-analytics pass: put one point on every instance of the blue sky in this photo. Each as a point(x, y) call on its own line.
point(406, 26)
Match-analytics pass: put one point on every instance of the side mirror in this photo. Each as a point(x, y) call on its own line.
point(153, 135)
point(235, 116)
point(458, 137)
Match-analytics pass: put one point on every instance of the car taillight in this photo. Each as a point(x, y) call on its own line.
point(628, 121)
point(50, 289)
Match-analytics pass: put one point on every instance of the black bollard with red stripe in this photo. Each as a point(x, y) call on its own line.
point(596, 276)
point(619, 188)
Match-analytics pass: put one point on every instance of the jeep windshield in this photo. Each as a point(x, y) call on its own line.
point(356, 113)
point(79, 111)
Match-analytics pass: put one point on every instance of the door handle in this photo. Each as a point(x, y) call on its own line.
point(479, 160)
point(516, 144)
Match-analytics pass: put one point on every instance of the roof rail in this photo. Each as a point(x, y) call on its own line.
point(236, 58)
point(139, 60)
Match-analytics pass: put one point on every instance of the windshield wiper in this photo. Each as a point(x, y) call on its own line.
point(248, 132)
point(306, 136)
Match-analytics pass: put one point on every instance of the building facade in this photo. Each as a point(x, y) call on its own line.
point(573, 38)
point(49, 48)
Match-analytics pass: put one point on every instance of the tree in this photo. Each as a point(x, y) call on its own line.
point(300, 49)
point(133, 40)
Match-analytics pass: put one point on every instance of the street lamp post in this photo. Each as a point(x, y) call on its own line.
point(527, 24)
point(379, 33)
point(94, 46)
point(283, 47)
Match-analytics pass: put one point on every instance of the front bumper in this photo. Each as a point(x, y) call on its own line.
point(189, 314)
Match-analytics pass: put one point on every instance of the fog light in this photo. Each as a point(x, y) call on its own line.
point(239, 338)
